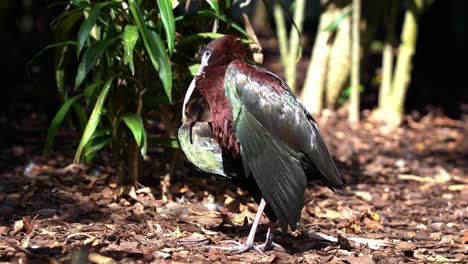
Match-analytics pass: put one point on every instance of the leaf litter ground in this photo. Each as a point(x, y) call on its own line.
point(406, 201)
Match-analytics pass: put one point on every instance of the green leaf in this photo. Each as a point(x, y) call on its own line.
point(86, 27)
point(56, 45)
point(93, 121)
point(167, 16)
point(334, 24)
point(130, 38)
point(89, 91)
point(81, 115)
point(234, 25)
point(199, 35)
point(167, 142)
point(194, 69)
point(135, 124)
point(79, 3)
point(57, 121)
point(215, 6)
point(154, 47)
point(90, 57)
point(97, 145)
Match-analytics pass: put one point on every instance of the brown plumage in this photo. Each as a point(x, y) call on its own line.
point(224, 51)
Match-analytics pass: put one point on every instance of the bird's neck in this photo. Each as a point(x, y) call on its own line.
point(211, 86)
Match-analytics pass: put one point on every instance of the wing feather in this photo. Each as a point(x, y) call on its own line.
point(276, 135)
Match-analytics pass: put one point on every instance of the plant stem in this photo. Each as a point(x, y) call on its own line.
point(402, 76)
point(387, 59)
point(294, 44)
point(354, 99)
point(281, 31)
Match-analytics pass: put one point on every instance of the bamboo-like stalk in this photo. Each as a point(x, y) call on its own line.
point(314, 85)
point(354, 98)
point(294, 44)
point(281, 32)
point(402, 76)
point(387, 57)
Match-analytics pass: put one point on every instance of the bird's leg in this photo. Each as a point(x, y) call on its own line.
point(269, 244)
point(249, 244)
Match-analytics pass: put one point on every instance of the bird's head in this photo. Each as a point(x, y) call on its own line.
point(218, 53)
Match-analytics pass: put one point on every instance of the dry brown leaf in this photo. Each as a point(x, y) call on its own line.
point(361, 259)
point(17, 227)
point(371, 224)
point(405, 246)
point(464, 239)
point(3, 230)
point(100, 259)
point(366, 196)
point(331, 214)
point(163, 255)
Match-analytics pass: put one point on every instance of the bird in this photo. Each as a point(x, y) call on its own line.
point(260, 137)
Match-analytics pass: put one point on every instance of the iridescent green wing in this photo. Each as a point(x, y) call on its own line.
point(201, 148)
point(276, 136)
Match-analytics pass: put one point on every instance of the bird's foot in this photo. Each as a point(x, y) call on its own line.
point(239, 248)
point(268, 246)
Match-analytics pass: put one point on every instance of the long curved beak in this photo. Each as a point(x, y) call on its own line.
point(190, 90)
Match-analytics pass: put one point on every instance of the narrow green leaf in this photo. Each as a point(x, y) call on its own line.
point(89, 91)
point(167, 142)
point(79, 3)
point(81, 115)
point(334, 24)
point(199, 35)
point(135, 124)
point(93, 121)
point(194, 69)
point(167, 16)
point(96, 146)
point(215, 6)
point(130, 38)
point(234, 25)
point(86, 27)
point(154, 46)
point(57, 121)
point(90, 57)
point(56, 45)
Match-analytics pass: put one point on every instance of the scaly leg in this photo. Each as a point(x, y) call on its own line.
point(249, 244)
point(269, 244)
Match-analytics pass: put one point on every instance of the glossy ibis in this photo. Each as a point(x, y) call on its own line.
point(260, 137)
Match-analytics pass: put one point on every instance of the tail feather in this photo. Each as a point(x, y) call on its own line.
point(321, 160)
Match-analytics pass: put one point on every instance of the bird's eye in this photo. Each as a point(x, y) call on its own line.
point(205, 58)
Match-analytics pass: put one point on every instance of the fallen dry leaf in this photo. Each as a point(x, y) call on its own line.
point(464, 239)
point(17, 227)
